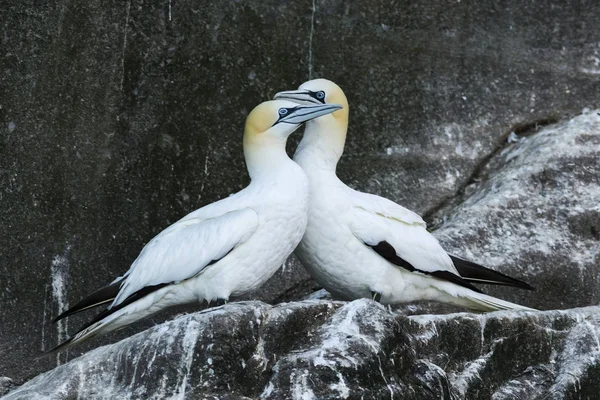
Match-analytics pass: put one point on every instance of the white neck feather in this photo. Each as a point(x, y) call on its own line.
point(322, 145)
point(265, 159)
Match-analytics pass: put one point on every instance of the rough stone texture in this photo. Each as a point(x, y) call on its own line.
point(545, 355)
point(328, 350)
point(117, 118)
point(6, 385)
point(534, 213)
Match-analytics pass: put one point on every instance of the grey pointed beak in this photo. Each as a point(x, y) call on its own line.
point(298, 96)
point(304, 113)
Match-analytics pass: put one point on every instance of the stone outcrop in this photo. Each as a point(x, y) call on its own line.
point(330, 350)
point(533, 212)
point(319, 349)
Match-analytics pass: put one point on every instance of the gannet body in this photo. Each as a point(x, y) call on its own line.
point(226, 248)
point(361, 245)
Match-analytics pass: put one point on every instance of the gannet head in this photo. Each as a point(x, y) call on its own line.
point(323, 142)
point(268, 127)
point(273, 121)
point(319, 91)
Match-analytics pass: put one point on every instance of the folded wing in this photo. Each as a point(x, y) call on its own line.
point(179, 252)
point(476, 273)
point(400, 236)
point(185, 248)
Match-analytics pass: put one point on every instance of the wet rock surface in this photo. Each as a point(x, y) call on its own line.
point(333, 350)
point(117, 120)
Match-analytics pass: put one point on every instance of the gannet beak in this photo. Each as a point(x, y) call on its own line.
point(303, 113)
point(299, 96)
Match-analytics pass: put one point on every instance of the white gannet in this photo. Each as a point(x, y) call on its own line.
point(361, 245)
point(226, 248)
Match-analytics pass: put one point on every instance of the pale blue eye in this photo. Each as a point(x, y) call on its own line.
point(283, 111)
point(320, 95)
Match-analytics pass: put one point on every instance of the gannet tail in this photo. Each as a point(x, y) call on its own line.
point(111, 319)
point(483, 302)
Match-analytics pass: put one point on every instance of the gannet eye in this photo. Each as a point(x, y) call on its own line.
point(283, 111)
point(320, 95)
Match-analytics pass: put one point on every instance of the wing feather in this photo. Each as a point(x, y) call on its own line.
point(386, 208)
point(185, 248)
point(101, 296)
point(375, 219)
point(476, 273)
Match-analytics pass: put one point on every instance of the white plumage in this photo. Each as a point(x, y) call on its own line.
point(172, 257)
point(224, 249)
point(361, 245)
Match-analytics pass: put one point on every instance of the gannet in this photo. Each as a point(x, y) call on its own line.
point(226, 248)
point(360, 245)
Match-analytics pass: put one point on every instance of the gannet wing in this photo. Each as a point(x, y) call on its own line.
point(400, 236)
point(173, 256)
point(475, 273)
point(385, 208)
point(468, 270)
point(185, 248)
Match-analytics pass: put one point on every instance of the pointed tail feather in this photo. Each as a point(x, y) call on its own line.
point(483, 302)
point(105, 322)
point(83, 335)
point(137, 306)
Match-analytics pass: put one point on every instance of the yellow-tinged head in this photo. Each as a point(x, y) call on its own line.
point(269, 125)
point(273, 121)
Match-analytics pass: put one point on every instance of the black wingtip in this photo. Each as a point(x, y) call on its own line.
point(387, 251)
point(63, 315)
point(99, 297)
point(475, 273)
point(526, 286)
point(59, 347)
point(451, 277)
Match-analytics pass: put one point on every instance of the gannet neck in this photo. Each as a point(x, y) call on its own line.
point(265, 156)
point(323, 143)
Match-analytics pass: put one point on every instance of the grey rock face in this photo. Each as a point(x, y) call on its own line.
point(535, 214)
point(6, 384)
point(117, 120)
point(330, 350)
point(548, 355)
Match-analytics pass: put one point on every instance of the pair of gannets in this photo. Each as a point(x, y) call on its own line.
point(354, 244)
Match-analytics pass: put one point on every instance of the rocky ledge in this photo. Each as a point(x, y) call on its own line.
point(330, 350)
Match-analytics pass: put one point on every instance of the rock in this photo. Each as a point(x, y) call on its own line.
point(117, 121)
point(217, 352)
point(6, 384)
point(509, 355)
point(533, 212)
point(333, 350)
